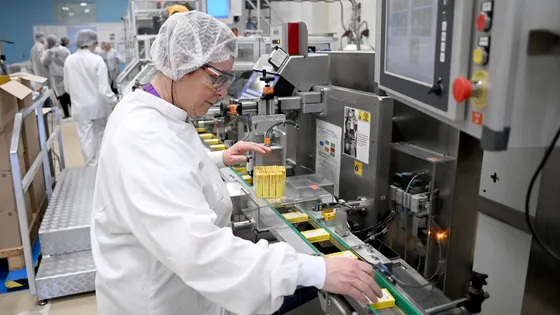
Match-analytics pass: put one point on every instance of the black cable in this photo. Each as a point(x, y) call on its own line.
point(404, 284)
point(390, 217)
point(547, 154)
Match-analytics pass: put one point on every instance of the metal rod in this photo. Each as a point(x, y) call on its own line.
point(20, 204)
point(242, 225)
point(446, 307)
point(62, 161)
point(30, 175)
point(43, 143)
point(259, 15)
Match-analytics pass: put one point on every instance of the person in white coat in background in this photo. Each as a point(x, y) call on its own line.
point(36, 54)
point(65, 43)
point(53, 59)
point(65, 100)
point(161, 233)
point(113, 61)
point(86, 80)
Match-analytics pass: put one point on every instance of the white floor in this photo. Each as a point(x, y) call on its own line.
point(23, 303)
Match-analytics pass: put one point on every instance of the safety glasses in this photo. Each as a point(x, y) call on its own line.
point(219, 78)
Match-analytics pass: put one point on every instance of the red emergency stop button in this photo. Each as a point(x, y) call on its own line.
point(483, 22)
point(462, 89)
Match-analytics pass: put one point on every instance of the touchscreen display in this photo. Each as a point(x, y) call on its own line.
point(411, 39)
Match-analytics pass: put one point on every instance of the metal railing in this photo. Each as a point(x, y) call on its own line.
point(21, 184)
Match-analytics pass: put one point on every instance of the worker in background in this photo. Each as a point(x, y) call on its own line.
point(36, 55)
point(64, 99)
point(98, 51)
point(85, 79)
point(113, 61)
point(161, 231)
point(53, 59)
point(65, 43)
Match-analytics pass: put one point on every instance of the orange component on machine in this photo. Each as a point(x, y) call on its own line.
point(268, 90)
point(232, 109)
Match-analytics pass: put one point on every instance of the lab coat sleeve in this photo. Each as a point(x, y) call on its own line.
point(47, 58)
point(167, 211)
point(103, 87)
point(217, 158)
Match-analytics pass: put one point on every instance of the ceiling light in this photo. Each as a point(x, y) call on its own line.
point(64, 8)
point(71, 13)
point(86, 10)
point(83, 4)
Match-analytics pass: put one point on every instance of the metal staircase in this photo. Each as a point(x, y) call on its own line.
point(67, 266)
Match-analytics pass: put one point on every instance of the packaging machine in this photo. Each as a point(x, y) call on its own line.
point(443, 149)
point(334, 135)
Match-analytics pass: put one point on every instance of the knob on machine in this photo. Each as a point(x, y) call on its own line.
point(473, 89)
point(483, 22)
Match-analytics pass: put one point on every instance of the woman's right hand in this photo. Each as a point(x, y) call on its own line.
point(351, 277)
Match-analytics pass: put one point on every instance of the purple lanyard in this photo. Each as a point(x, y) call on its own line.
point(150, 89)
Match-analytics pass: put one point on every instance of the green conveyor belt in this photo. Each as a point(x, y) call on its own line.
point(401, 302)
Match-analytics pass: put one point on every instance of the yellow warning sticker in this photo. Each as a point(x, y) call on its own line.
point(358, 168)
point(364, 116)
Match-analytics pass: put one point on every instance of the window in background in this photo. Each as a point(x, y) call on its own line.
point(218, 8)
point(75, 13)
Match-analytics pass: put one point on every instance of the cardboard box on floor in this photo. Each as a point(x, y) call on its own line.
point(8, 104)
point(19, 91)
point(10, 236)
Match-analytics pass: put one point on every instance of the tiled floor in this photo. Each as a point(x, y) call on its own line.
point(23, 303)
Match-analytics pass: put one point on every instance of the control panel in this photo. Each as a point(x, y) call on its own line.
point(489, 68)
point(473, 89)
point(415, 52)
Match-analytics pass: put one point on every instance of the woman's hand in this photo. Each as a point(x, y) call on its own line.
point(236, 153)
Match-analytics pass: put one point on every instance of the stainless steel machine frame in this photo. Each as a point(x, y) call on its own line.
point(23, 181)
point(514, 58)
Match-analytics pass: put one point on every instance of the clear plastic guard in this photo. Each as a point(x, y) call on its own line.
point(304, 188)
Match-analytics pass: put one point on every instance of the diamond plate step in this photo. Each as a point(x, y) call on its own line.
point(65, 227)
point(65, 274)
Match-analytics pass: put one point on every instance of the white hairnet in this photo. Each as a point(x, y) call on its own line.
point(86, 38)
point(39, 36)
point(51, 41)
point(186, 41)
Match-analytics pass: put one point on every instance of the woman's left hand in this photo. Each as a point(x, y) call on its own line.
point(236, 153)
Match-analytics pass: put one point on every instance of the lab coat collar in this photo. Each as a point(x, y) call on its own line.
point(160, 105)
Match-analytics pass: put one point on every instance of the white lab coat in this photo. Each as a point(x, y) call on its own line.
point(161, 237)
point(113, 61)
point(36, 55)
point(66, 49)
point(53, 59)
point(85, 79)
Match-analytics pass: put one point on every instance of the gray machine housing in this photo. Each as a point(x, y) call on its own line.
point(313, 99)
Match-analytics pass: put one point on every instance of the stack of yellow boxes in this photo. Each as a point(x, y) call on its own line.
point(210, 140)
point(269, 181)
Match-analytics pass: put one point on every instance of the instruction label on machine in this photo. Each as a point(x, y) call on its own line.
point(328, 156)
point(356, 133)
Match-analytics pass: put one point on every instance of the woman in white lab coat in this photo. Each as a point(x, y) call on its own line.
point(53, 59)
point(85, 79)
point(113, 61)
point(161, 232)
